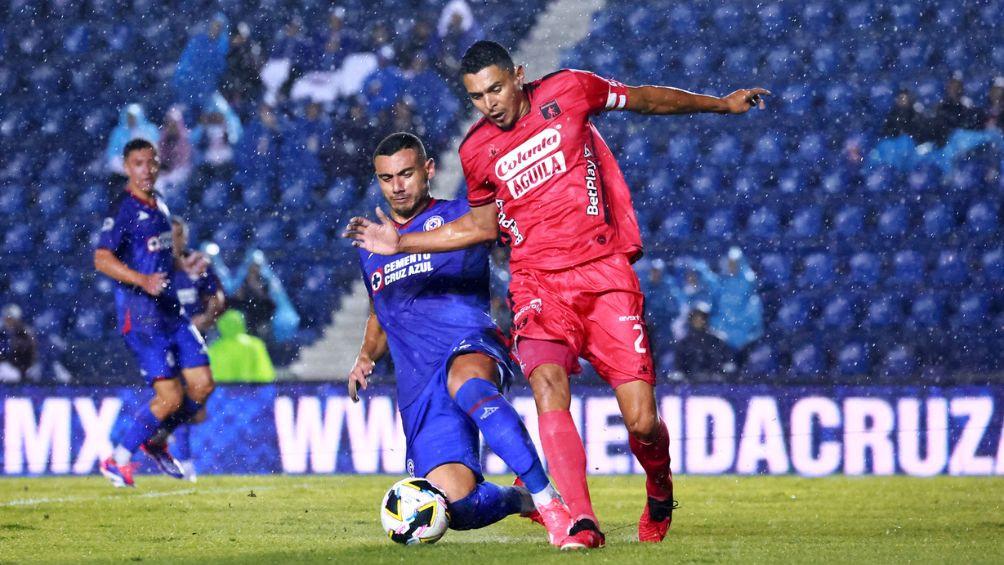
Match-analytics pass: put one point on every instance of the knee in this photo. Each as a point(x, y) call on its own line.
point(643, 426)
point(170, 401)
point(200, 391)
point(549, 382)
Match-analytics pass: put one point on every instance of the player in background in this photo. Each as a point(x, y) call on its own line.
point(200, 293)
point(430, 312)
point(134, 248)
point(537, 168)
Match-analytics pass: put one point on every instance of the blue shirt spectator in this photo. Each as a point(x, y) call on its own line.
point(133, 124)
point(737, 311)
point(202, 63)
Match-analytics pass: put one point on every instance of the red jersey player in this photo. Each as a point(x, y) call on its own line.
point(539, 173)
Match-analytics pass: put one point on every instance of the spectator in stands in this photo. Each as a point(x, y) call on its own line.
point(292, 45)
point(256, 156)
point(345, 154)
point(698, 280)
point(737, 312)
point(218, 131)
point(703, 356)
point(955, 111)
point(334, 42)
point(306, 132)
point(993, 116)
point(174, 148)
point(905, 118)
point(456, 30)
point(253, 299)
point(18, 349)
point(386, 85)
point(421, 40)
point(241, 84)
point(436, 104)
point(132, 125)
point(661, 307)
point(202, 64)
point(237, 356)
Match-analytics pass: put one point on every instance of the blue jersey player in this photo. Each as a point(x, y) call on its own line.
point(134, 248)
point(200, 293)
point(430, 312)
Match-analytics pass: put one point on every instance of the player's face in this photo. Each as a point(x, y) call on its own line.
point(498, 95)
point(404, 181)
point(141, 167)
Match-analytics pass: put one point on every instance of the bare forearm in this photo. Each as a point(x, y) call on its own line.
point(374, 340)
point(669, 100)
point(480, 225)
point(106, 262)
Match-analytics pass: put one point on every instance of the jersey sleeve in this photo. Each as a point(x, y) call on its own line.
point(113, 231)
point(601, 94)
point(480, 191)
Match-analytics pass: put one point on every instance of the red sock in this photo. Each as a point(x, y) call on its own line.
point(566, 459)
point(654, 458)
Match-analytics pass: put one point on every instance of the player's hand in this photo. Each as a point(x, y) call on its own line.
point(362, 368)
point(154, 284)
point(380, 238)
point(195, 264)
point(742, 100)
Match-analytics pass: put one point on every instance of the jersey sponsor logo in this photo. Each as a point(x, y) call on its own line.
point(432, 223)
point(160, 242)
point(187, 296)
point(592, 192)
point(527, 153)
point(537, 175)
point(509, 224)
point(108, 224)
point(377, 280)
point(550, 110)
point(520, 318)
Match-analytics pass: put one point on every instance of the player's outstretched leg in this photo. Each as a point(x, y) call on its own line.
point(487, 504)
point(118, 468)
point(505, 433)
point(649, 441)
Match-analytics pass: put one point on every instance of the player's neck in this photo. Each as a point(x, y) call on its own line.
point(141, 195)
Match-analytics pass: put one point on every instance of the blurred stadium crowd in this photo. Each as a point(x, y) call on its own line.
point(850, 234)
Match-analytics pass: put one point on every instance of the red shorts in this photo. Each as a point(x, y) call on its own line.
point(595, 309)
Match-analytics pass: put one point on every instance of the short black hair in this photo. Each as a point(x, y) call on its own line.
point(136, 145)
point(484, 54)
point(398, 142)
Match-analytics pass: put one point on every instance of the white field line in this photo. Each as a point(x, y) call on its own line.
point(152, 494)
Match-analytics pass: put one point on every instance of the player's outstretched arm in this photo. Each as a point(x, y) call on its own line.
point(480, 225)
point(374, 347)
point(106, 262)
point(669, 100)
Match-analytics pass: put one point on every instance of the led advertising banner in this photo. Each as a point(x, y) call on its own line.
point(316, 428)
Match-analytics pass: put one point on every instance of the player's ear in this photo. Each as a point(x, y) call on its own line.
point(519, 74)
point(430, 167)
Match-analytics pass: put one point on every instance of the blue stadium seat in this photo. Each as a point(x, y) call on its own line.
point(270, 234)
point(343, 193)
point(60, 237)
point(894, 222)
point(806, 224)
point(793, 315)
point(761, 362)
point(295, 197)
point(257, 196)
point(853, 360)
point(817, 271)
point(849, 222)
point(706, 184)
point(767, 150)
point(763, 224)
point(677, 225)
point(884, 311)
point(311, 233)
point(817, 19)
point(973, 311)
point(727, 20)
point(90, 323)
point(982, 218)
point(825, 60)
point(868, 58)
point(682, 150)
point(865, 269)
point(12, 200)
point(838, 313)
point(51, 201)
point(808, 362)
point(216, 197)
point(938, 221)
point(725, 151)
point(839, 100)
point(775, 271)
point(899, 363)
point(797, 100)
point(927, 311)
point(19, 239)
point(908, 268)
point(924, 178)
point(811, 149)
point(950, 269)
point(992, 267)
point(720, 225)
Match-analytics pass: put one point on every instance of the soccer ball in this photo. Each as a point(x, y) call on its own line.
point(414, 511)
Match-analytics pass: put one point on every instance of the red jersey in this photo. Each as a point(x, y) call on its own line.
point(562, 200)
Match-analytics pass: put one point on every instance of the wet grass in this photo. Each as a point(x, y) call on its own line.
point(334, 519)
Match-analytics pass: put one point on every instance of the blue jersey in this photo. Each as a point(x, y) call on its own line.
point(139, 235)
point(428, 302)
point(194, 293)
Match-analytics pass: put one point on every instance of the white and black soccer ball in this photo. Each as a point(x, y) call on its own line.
point(414, 511)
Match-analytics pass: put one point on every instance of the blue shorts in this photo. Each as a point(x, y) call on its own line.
point(437, 431)
point(162, 356)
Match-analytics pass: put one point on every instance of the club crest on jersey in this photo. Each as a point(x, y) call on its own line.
point(376, 280)
point(432, 223)
point(550, 110)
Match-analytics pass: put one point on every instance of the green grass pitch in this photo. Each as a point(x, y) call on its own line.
point(334, 519)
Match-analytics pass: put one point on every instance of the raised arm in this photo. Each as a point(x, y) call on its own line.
point(669, 100)
point(373, 348)
point(479, 225)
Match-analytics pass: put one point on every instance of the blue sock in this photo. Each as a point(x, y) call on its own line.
point(143, 427)
point(503, 430)
point(182, 442)
point(189, 408)
point(488, 504)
